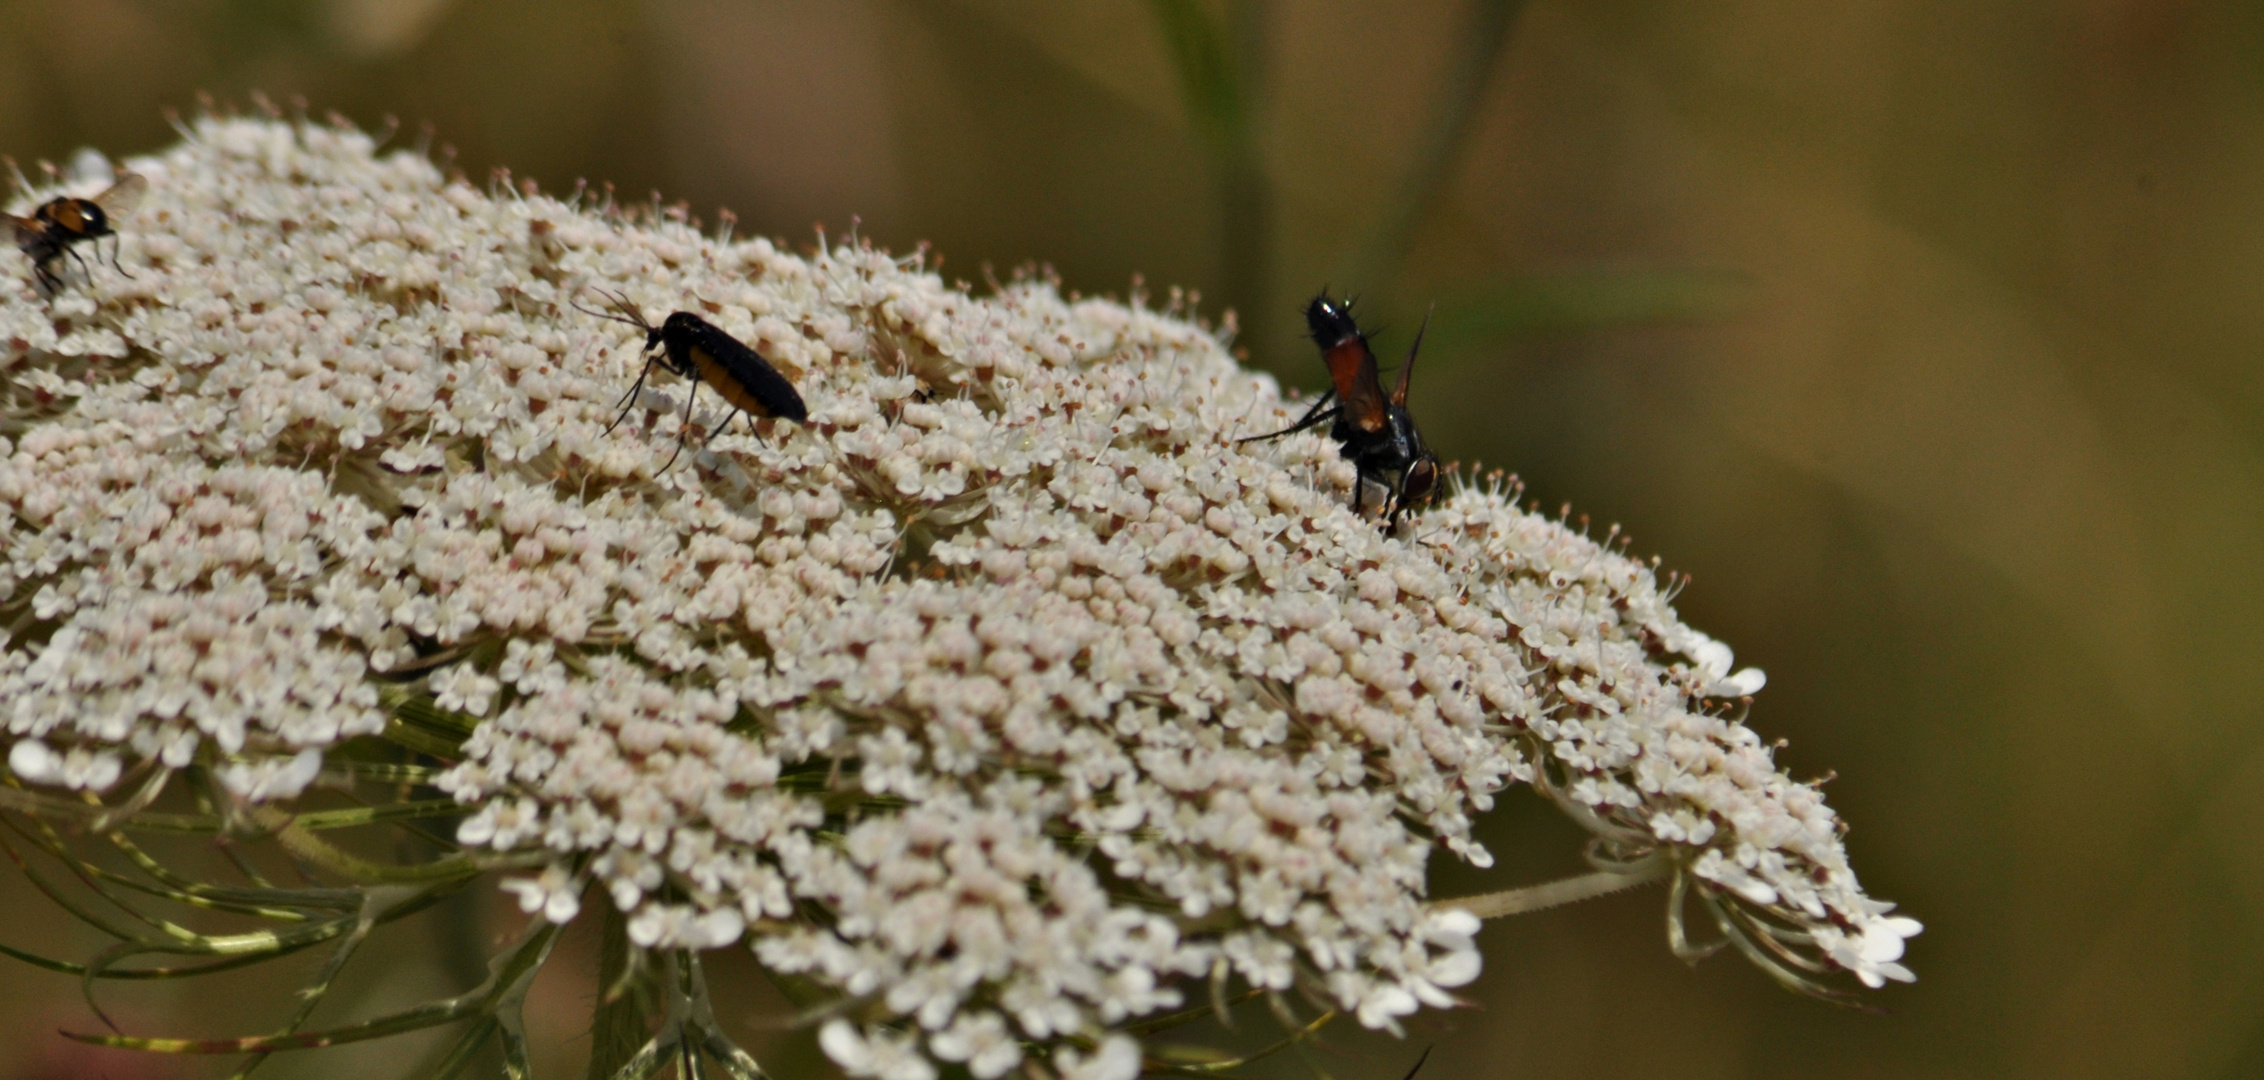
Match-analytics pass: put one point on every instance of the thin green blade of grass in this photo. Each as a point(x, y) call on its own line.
point(1209, 85)
point(1479, 48)
point(66, 967)
point(1218, 64)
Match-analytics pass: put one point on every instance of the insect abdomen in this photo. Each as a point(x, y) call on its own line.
point(727, 383)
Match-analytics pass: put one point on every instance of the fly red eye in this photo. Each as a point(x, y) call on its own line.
point(1422, 477)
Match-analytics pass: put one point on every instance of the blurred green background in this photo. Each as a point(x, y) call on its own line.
point(1928, 336)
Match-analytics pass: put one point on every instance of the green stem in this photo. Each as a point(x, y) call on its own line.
point(617, 1030)
point(1494, 905)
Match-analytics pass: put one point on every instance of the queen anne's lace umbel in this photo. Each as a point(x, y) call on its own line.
point(1007, 696)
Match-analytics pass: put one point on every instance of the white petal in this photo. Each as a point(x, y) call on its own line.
point(34, 762)
point(841, 1042)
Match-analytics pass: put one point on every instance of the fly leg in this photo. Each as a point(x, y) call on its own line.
point(115, 242)
point(1312, 416)
point(684, 429)
point(628, 397)
point(726, 426)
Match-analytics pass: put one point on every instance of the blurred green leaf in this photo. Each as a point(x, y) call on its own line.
point(1219, 62)
point(1535, 305)
point(239, 32)
point(1210, 82)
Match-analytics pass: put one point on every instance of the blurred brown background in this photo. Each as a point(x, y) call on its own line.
point(1927, 334)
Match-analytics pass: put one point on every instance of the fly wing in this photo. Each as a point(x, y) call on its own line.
point(749, 381)
point(119, 199)
point(26, 232)
point(1407, 370)
point(1352, 367)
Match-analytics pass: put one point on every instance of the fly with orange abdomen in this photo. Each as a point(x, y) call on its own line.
point(47, 235)
point(695, 349)
point(1373, 431)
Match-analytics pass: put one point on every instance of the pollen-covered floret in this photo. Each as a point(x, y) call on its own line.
point(1008, 696)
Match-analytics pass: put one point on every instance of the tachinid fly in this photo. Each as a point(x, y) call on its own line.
point(1373, 431)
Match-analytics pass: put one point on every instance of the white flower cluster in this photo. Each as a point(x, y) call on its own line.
point(1004, 697)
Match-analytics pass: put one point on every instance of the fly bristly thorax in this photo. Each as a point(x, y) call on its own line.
point(669, 351)
point(80, 218)
point(679, 333)
point(1330, 322)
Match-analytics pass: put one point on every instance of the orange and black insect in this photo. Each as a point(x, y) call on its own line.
point(1375, 433)
point(695, 349)
point(47, 235)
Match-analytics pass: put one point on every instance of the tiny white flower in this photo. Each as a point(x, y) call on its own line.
point(33, 761)
point(1871, 955)
point(1117, 1058)
point(1745, 682)
point(462, 688)
point(269, 779)
point(554, 892)
point(981, 1040)
point(877, 1053)
point(840, 1041)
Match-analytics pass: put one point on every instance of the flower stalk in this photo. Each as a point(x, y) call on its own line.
point(1531, 898)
